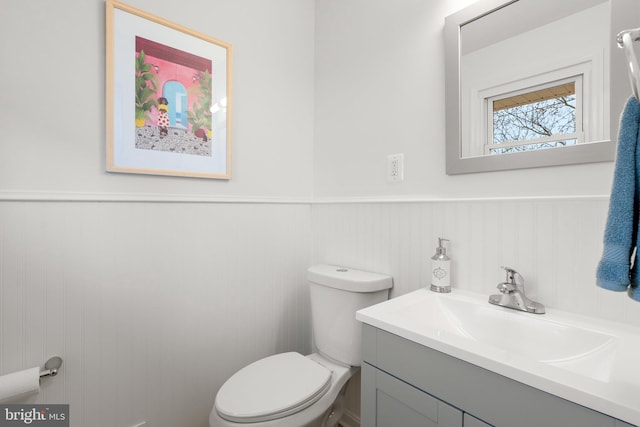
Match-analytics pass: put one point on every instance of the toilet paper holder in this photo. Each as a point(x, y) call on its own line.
point(51, 367)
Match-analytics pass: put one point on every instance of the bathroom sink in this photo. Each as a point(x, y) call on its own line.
point(588, 361)
point(547, 341)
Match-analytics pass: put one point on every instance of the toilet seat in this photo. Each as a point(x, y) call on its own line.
point(271, 388)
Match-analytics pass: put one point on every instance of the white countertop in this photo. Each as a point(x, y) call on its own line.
point(589, 361)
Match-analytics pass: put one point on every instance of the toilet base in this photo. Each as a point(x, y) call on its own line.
point(316, 415)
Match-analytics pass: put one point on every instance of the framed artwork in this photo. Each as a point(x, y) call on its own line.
point(168, 95)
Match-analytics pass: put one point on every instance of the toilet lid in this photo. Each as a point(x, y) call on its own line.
point(272, 388)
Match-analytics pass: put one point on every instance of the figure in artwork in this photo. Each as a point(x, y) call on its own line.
point(163, 116)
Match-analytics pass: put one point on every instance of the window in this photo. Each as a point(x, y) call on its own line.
point(536, 118)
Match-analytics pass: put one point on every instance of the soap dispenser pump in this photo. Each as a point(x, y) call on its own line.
point(441, 269)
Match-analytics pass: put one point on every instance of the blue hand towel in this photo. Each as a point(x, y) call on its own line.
point(634, 290)
point(622, 222)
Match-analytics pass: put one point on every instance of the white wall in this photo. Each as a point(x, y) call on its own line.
point(154, 290)
point(53, 111)
point(380, 91)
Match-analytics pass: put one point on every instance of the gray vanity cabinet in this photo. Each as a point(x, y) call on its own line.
point(394, 403)
point(407, 384)
point(470, 421)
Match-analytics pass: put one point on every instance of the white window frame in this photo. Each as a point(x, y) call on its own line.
point(583, 67)
point(578, 135)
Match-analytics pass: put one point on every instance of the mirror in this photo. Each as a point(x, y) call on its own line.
point(528, 84)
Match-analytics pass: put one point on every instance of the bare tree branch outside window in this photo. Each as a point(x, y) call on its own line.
point(528, 122)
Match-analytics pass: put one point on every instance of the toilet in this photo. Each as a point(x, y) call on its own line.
point(292, 390)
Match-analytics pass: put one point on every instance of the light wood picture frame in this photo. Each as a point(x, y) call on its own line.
point(168, 97)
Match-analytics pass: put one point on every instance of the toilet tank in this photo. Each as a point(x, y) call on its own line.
point(336, 294)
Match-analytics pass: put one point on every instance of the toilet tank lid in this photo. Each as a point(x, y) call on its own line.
point(348, 279)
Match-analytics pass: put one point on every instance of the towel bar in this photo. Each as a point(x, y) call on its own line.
point(51, 367)
point(625, 40)
point(634, 33)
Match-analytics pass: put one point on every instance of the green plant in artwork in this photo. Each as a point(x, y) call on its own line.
point(200, 115)
point(146, 85)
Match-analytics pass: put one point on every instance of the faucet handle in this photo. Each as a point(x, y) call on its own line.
point(512, 276)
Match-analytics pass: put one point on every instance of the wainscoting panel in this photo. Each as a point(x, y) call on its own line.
point(554, 243)
point(152, 306)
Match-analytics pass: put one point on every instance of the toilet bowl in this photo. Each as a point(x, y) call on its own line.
point(284, 390)
point(292, 390)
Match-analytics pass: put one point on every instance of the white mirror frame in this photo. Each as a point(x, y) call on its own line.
point(600, 151)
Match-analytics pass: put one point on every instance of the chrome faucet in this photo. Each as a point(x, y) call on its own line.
point(512, 294)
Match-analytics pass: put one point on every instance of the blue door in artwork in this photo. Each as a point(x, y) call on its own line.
point(176, 93)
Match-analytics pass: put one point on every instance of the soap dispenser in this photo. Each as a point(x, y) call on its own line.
point(441, 269)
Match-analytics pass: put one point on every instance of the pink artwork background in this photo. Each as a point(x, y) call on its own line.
point(170, 68)
point(167, 72)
